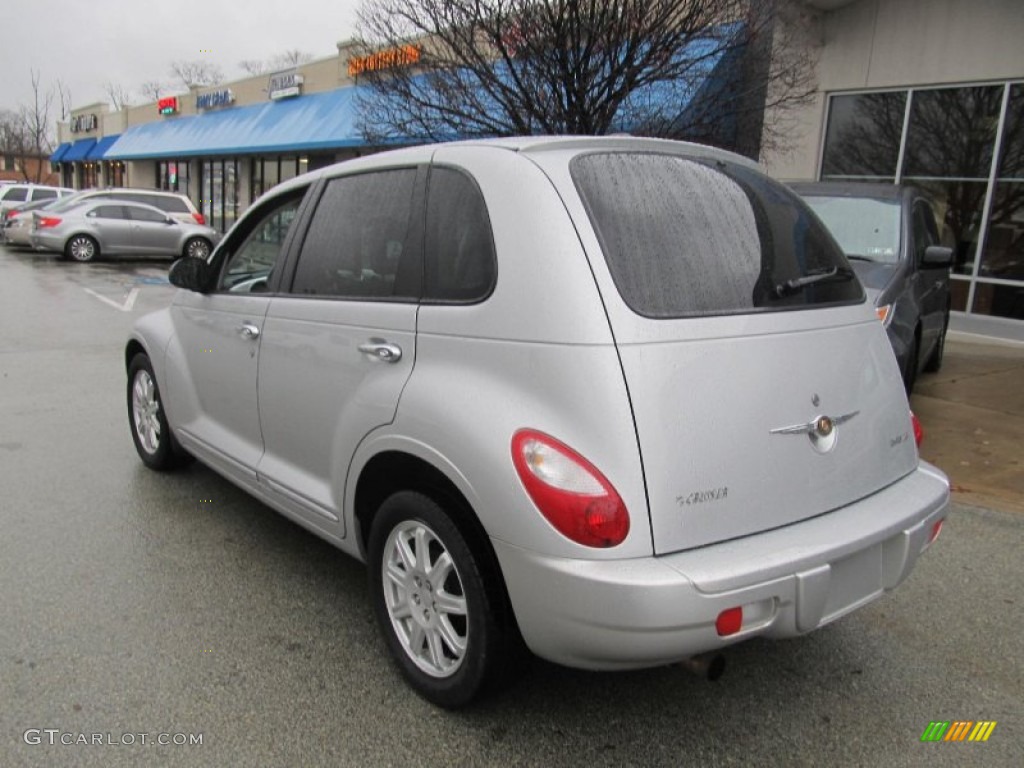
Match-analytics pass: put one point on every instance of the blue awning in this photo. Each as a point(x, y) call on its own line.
point(97, 152)
point(317, 121)
point(59, 153)
point(78, 150)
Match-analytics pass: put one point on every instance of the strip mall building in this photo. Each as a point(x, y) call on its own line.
point(929, 92)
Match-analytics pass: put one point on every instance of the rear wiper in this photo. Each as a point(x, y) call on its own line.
point(798, 283)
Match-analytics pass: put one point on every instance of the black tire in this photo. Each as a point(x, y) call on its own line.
point(435, 667)
point(934, 363)
point(152, 436)
point(197, 248)
point(81, 248)
point(910, 370)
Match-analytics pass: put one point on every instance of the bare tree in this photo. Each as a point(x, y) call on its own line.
point(700, 69)
point(254, 66)
point(118, 95)
point(196, 73)
point(291, 58)
point(63, 99)
point(26, 133)
point(152, 90)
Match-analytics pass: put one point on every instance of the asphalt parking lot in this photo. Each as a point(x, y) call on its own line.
point(139, 603)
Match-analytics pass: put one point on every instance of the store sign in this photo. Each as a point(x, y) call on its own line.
point(84, 123)
point(168, 105)
point(404, 56)
point(283, 86)
point(215, 99)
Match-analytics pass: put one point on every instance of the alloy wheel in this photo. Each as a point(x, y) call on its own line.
point(146, 411)
point(425, 599)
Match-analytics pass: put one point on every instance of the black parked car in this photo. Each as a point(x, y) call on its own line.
point(888, 233)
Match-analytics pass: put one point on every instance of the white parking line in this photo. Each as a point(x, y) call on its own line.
point(129, 302)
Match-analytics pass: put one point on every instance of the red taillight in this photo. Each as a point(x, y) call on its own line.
point(48, 221)
point(200, 219)
point(729, 621)
point(918, 430)
point(569, 491)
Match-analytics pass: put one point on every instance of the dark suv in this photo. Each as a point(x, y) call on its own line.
point(888, 233)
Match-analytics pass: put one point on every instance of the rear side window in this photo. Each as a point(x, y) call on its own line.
point(358, 243)
point(15, 194)
point(144, 214)
point(108, 212)
point(164, 203)
point(689, 237)
point(459, 246)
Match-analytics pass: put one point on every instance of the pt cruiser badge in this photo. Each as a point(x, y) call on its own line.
point(821, 430)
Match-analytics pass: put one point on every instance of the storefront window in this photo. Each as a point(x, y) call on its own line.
point(949, 151)
point(863, 137)
point(1004, 244)
point(219, 188)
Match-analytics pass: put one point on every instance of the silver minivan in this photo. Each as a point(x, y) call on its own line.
point(621, 400)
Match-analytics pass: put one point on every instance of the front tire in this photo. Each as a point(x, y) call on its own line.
point(198, 248)
point(152, 436)
point(435, 606)
point(81, 248)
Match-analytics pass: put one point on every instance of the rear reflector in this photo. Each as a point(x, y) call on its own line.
point(918, 429)
point(936, 530)
point(729, 621)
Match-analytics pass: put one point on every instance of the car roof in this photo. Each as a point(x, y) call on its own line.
point(850, 189)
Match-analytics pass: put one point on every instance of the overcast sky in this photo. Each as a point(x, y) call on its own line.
point(86, 43)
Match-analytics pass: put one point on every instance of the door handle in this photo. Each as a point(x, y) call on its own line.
point(248, 331)
point(382, 350)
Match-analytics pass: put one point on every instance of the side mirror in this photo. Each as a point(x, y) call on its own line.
point(170, 220)
point(937, 256)
point(191, 274)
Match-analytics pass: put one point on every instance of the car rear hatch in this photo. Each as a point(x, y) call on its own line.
point(763, 389)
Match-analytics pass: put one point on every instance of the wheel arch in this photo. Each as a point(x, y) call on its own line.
point(397, 468)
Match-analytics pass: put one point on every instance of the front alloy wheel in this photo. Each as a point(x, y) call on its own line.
point(146, 412)
point(197, 248)
point(152, 436)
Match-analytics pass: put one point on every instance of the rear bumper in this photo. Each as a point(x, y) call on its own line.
point(45, 242)
point(620, 614)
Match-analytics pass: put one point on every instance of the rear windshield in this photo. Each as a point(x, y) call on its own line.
point(689, 237)
point(865, 228)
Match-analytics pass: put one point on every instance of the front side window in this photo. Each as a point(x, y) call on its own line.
point(358, 245)
point(249, 265)
point(688, 237)
point(44, 194)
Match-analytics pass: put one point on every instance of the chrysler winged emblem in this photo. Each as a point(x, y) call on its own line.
point(821, 430)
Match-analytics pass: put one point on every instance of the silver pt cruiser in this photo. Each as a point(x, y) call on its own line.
point(620, 399)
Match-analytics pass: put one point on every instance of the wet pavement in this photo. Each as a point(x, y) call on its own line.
point(973, 415)
point(143, 603)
